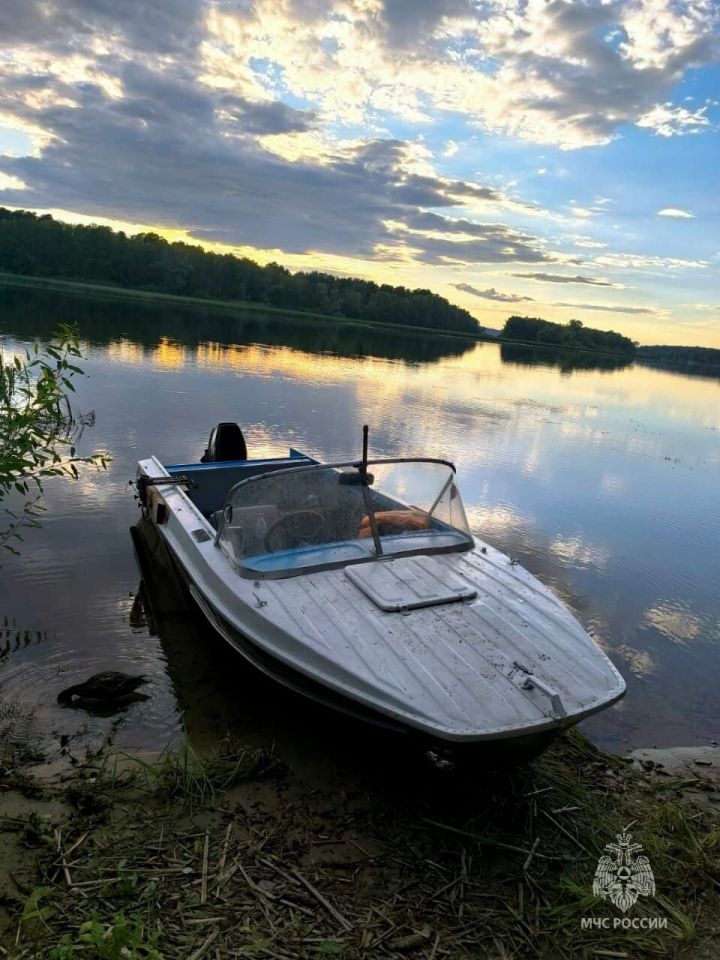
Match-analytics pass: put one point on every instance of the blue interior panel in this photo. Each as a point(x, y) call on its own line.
point(213, 481)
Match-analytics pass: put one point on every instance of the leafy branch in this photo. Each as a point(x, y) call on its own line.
point(39, 430)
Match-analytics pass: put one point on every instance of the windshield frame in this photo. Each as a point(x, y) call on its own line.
point(361, 466)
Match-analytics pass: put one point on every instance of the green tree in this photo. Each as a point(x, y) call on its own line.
point(38, 428)
point(39, 246)
point(572, 335)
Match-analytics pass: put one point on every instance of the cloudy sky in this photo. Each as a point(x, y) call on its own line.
point(556, 159)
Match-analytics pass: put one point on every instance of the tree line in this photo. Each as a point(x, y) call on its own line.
point(32, 312)
point(572, 335)
point(40, 246)
point(706, 355)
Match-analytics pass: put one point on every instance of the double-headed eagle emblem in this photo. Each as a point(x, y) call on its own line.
point(624, 875)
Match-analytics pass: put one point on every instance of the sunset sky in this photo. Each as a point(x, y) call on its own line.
point(556, 159)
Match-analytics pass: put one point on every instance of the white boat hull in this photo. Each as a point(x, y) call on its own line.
point(510, 663)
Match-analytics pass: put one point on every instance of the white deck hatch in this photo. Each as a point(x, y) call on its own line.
point(408, 583)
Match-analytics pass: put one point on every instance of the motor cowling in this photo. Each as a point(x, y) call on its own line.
point(226, 443)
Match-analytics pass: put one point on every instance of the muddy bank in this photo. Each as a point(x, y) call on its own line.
point(237, 856)
point(702, 763)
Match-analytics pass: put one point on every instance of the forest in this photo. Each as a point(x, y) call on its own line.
point(572, 335)
point(40, 246)
point(708, 356)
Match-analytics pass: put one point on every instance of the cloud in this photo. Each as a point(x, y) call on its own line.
point(582, 213)
point(11, 183)
point(549, 72)
point(644, 311)
point(491, 294)
point(561, 278)
point(425, 234)
point(496, 244)
point(647, 262)
point(567, 81)
point(57, 26)
point(264, 118)
point(408, 21)
point(675, 213)
point(224, 117)
point(669, 121)
point(589, 244)
point(175, 153)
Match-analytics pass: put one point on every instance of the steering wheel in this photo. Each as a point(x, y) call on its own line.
point(300, 529)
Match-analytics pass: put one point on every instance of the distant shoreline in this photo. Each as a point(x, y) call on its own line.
point(231, 306)
point(248, 307)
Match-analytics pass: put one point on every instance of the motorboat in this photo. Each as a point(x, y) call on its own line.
point(360, 585)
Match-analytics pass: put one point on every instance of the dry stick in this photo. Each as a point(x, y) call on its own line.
point(296, 906)
point(162, 830)
point(485, 841)
point(206, 851)
point(383, 936)
point(223, 857)
point(528, 859)
point(202, 950)
point(321, 899)
point(448, 886)
point(66, 872)
point(77, 843)
point(434, 947)
point(295, 875)
point(258, 893)
point(362, 849)
point(227, 876)
point(567, 833)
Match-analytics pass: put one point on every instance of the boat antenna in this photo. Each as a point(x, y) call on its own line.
point(363, 469)
point(364, 480)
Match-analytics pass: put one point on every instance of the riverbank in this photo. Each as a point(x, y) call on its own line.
point(575, 356)
point(236, 856)
point(240, 307)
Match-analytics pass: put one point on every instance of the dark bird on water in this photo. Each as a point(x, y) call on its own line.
point(109, 687)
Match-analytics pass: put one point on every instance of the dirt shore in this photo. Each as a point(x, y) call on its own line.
point(235, 856)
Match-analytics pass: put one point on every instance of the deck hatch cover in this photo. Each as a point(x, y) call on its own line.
point(410, 582)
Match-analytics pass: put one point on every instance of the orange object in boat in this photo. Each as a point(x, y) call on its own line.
point(396, 520)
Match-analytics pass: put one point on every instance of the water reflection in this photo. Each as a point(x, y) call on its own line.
point(135, 329)
point(674, 622)
point(603, 483)
point(565, 360)
point(690, 368)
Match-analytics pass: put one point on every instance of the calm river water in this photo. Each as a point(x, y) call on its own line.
point(602, 482)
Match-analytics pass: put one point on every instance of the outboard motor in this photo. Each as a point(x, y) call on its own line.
point(226, 443)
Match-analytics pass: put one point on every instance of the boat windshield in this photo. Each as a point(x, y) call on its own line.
point(318, 517)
